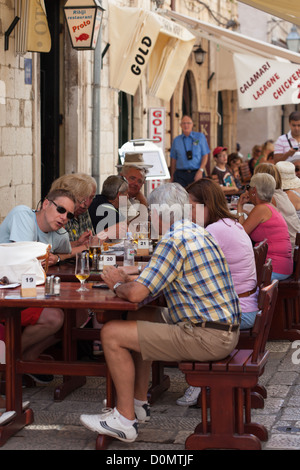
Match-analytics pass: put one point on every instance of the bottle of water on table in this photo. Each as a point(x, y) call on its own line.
point(128, 251)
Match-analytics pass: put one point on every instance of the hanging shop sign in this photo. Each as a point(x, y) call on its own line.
point(265, 82)
point(84, 18)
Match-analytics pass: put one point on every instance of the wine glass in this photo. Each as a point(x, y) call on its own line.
point(82, 269)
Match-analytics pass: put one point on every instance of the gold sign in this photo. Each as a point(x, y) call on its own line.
point(38, 35)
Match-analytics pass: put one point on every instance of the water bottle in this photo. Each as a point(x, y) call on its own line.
point(128, 251)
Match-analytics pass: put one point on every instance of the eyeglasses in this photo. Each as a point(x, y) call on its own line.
point(62, 210)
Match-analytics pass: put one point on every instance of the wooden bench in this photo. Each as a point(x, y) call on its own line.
point(286, 319)
point(226, 390)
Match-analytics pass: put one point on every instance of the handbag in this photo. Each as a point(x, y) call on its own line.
point(19, 258)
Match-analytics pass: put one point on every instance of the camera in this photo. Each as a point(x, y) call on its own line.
point(189, 154)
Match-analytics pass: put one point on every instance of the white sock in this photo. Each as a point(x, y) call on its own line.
point(125, 421)
point(140, 402)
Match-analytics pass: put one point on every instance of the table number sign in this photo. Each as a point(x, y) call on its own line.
point(28, 286)
point(109, 260)
point(143, 247)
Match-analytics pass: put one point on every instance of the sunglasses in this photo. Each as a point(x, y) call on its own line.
point(62, 210)
point(297, 168)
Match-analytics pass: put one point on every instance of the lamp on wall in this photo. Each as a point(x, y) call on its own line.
point(199, 54)
point(293, 40)
point(84, 18)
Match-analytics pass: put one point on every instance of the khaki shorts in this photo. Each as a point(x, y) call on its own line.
point(183, 341)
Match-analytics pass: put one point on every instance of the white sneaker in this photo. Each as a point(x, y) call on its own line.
point(142, 413)
point(109, 424)
point(190, 397)
point(7, 416)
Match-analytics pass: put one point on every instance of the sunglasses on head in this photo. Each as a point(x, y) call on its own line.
point(62, 210)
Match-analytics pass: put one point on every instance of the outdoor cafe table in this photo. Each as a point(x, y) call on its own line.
point(107, 305)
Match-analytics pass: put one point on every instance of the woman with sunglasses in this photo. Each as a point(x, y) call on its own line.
point(266, 222)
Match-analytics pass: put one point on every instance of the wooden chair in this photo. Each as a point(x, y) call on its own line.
point(160, 381)
point(286, 319)
point(260, 254)
point(245, 173)
point(228, 384)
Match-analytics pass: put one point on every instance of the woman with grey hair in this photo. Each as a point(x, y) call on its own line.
point(266, 222)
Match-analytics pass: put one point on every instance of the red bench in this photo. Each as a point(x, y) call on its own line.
point(226, 390)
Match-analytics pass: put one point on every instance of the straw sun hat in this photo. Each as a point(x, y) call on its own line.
point(136, 160)
point(288, 175)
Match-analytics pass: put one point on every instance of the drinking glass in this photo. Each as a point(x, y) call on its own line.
point(94, 246)
point(234, 202)
point(82, 269)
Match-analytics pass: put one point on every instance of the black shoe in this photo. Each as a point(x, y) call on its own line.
point(41, 378)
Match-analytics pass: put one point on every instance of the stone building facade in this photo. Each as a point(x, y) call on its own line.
point(58, 113)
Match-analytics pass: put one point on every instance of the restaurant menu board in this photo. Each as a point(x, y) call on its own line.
point(152, 155)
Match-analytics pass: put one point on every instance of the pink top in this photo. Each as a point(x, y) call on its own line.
point(276, 232)
point(237, 248)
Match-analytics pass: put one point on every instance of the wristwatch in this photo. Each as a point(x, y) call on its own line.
point(58, 259)
point(117, 284)
point(201, 169)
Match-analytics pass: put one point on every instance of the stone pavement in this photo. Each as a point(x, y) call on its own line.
point(56, 425)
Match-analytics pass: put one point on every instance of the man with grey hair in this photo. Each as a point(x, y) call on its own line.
point(105, 209)
point(135, 169)
point(189, 268)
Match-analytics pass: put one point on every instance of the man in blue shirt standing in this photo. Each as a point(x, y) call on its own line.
point(189, 154)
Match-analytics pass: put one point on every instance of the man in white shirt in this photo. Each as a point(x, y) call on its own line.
point(287, 145)
point(47, 226)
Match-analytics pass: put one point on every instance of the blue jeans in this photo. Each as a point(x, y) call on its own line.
point(280, 277)
point(248, 319)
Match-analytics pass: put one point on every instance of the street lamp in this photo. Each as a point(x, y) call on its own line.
point(84, 18)
point(199, 54)
point(293, 40)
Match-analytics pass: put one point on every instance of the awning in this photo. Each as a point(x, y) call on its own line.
point(32, 30)
point(139, 38)
point(263, 82)
point(225, 43)
point(289, 10)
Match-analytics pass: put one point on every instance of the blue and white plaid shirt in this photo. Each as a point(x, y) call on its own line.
point(190, 268)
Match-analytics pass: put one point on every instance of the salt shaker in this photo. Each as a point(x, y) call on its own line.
point(56, 286)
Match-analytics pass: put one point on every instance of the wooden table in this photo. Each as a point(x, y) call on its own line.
point(108, 307)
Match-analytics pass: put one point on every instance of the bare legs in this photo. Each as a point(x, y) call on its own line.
point(36, 338)
point(129, 372)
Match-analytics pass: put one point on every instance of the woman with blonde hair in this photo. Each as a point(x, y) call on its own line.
point(83, 187)
point(281, 200)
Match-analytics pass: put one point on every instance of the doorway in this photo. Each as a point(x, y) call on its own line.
point(51, 119)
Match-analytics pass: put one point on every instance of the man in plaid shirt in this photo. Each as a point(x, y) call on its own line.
point(201, 322)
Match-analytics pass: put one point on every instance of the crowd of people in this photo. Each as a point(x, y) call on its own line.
point(203, 264)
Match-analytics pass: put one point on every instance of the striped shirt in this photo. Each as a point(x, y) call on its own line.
point(189, 267)
point(282, 145)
